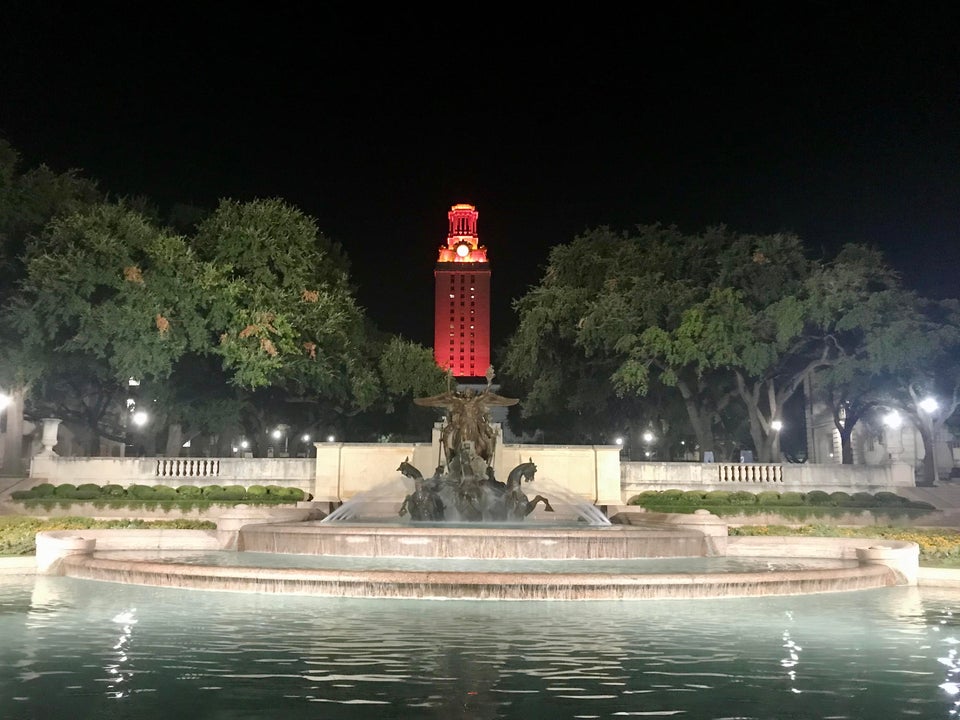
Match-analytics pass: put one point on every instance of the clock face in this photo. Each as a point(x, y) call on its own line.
point(463, 249)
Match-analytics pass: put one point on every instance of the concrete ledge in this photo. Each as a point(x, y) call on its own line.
point(54, 545)
point(23, 565)
point(938, 577)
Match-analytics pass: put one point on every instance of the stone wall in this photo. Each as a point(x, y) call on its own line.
point(594, 473)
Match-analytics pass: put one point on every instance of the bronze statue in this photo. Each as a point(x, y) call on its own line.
point(465, 483)
point(424, 503)
point(467, 418)
point(516, 503)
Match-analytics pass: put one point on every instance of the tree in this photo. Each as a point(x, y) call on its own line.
point(718, 316)
point(291, 322)
point(921, 353)
point(28, 201)
point(119, 299)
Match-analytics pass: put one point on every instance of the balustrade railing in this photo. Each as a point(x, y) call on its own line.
point(187, 467)
point(749, 473)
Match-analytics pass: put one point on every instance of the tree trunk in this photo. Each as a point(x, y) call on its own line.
point(174, 440)
point(700, 420)
point(930, 474)
point(13, 464)
point(846, 444)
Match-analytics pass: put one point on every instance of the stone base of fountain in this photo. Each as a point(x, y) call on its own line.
point(478, 585)
point(608, 542)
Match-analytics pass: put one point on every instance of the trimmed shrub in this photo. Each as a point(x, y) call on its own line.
point(791, 499)
point(88, 491)
point(141, 492)
point(296, 494)
point(189, 491)
point(113, 491)
point(164, 492)
point(668, 497)
point(862, 499)
point(889, 499)
point(275, 490)
point(742, 497)
point(689, 496)
point(234, 492)
point(42, 490)
point(214, 493)
point(819, 497)
point(257, 491)
point(718, 497)
point(65, 490)
point(768, 497)
point(840, 499)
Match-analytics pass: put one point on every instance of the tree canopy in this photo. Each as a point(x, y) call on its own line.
point(725, 319)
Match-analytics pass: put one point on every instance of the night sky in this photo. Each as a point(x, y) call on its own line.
point(838, 121)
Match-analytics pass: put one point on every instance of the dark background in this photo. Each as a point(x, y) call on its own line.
point(835, 120)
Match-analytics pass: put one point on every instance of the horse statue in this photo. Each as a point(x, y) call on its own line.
point(516, 503)
point(424, 503)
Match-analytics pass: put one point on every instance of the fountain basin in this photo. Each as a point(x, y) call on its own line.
point(451, 541)
point(478, 585)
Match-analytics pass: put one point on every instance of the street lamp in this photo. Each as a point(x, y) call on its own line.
point(281, 432)
point(893, 421)
point(929, 405)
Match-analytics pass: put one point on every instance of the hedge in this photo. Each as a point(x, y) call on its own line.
point(682, 501)
point(139, 495)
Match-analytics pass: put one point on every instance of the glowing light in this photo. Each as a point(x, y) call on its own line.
point(330, 438)
point(306, 438)
point(649, 437)
point(277, 434)
point(5, 400)
point(619, 441)
point(892, 419)
point(463, 250)
point(777, 425)
point(140, 418)
point(929, 405)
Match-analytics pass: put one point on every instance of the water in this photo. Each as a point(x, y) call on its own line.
point(84, 649)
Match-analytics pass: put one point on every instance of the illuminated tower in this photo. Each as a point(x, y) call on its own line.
point(461, 336)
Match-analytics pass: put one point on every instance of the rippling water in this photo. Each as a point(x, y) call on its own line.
point(84, 649)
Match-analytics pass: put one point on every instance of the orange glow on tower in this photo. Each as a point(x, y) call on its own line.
point(461, 338)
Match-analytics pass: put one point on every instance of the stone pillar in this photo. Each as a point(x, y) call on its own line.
point(49, 437)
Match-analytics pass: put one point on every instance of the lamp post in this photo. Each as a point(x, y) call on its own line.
point(776, 426)
point(893, 422)
point(281, 432)
point(648, 441)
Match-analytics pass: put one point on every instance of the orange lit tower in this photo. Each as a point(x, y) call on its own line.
point(461, 337)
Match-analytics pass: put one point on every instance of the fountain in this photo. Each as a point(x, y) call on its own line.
point(515, 547)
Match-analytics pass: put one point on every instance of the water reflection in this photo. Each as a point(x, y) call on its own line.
point(82, 649)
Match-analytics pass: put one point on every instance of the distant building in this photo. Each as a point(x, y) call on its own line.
point(461, 339)
point(876, 442)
